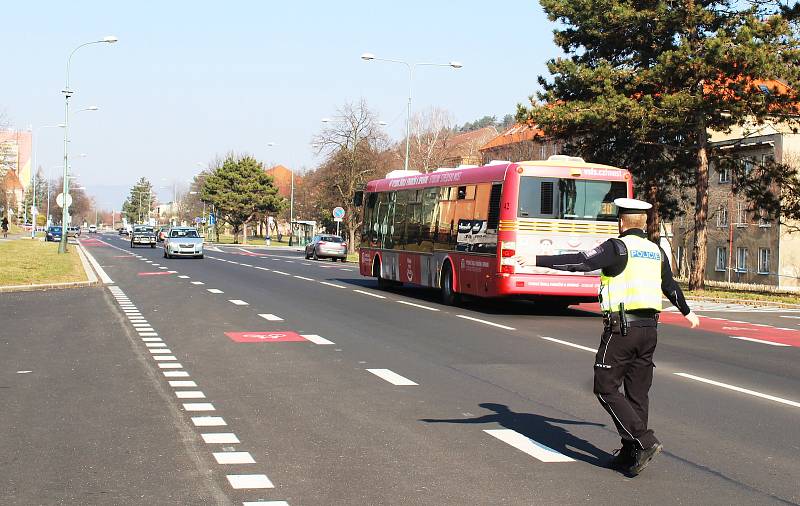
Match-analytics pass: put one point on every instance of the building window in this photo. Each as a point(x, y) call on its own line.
point(722, 216)
point(722, 259)
point(724, 174)
point(763, 260)
point(741, 259)
point(763, 219)
point(741, 214)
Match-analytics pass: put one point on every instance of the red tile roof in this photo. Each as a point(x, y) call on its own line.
point(517, 133)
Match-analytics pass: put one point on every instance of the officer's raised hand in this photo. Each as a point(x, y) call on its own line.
point(693, 320)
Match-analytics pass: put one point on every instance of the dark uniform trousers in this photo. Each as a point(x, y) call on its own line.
point(627, 360)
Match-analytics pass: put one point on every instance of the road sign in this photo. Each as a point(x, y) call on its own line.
point(212, 220)
point(268, 336)
point(338, 212)
point(60, 200)
point(198, 219)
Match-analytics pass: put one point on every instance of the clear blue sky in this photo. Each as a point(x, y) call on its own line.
point(189, 80)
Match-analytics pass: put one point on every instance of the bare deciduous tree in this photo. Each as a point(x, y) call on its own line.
point(430, 131)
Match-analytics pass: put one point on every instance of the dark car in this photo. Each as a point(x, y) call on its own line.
point(143, 235)
point(327, 246)
point(52, 234)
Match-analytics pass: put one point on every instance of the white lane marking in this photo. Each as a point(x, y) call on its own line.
point(283, 273)
point(214, 290)
point(165, 358)
point(742, 338)
point(190, 394)
point(362, 292)
point(182, 383)
point(155, 345)
point(305, 263)
point(265, 503)
point(197, 283)
point(246, 265)
point(784, 328)
point(261, 268)
point(162, 351)
point(170, 365)
point(23, 372)
point(332, 284)
point(152, 340)
point(148, 334)
point(761, 325)
point(164, 268)
point(528, 445)
point(234, 458)
point(795, 317)
point(145, 329)
point(304, 278)
point(156, 265)
point(271, 317)
point(244, 481)
point(198, 406)
point(208, 421)
point(140, 324)
point(739, 389)
point(176, 374)
point(314, 338)
point(289, 261)
point(567, 343)
point(417, 305)
point(220, 438)
point(183, 276)
point(345, 269)
point(392, 377)
point(238, 302)
point(485, 322)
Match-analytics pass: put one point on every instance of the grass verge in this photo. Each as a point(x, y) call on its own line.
point(26, 262)
point(740, 295)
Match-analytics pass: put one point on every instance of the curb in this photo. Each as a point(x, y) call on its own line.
point(745, 302)
point(49, 286)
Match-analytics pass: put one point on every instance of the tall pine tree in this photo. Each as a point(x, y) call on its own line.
point(646, 81)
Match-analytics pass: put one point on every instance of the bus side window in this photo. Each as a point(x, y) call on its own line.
point(428, 221)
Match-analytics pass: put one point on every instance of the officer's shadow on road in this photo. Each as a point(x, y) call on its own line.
point(542, 429)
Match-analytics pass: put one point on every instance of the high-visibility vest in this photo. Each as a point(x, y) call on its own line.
point(639, 285)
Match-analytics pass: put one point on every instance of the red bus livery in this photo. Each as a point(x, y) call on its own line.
point(476, 230)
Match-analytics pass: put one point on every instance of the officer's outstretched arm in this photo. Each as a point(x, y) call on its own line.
point(693, 319)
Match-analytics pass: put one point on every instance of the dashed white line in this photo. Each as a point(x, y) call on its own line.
point(529, 446)
point(261, 268)
point(148, 334)
point(182, 383)
point(234, 458)
point(238, 302)
point(170, 365)
point(152, 340)
point(197, 283)
point(176, 374)
point(160, 351)
point(742, 338)
point(567, 343)
point(739, 389)
point(198, 406)
point(332, 284)
point(283, 273)
point(417, 305)
point(486, 322)
point(246, 265)
point(220, 438)
point(392, 377)
point(271, 317)
point(208, 421)
point(362, 292)
point(155, 345)
point(314, 338)
point(245, 481)
point(265, 503)
point(163, 268)
point(214, 290)
point(303, 278)
point(183, 277)
point(190, 394)
point(165, 358)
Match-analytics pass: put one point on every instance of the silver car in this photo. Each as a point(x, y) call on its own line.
point(327, 246)
point(183, 242)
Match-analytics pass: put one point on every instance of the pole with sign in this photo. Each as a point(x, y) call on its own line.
point(338, 215)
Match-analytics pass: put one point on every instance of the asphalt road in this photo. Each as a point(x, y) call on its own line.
point(392, 398)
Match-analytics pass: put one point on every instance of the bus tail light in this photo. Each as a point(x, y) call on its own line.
point(507, 269)
point(508, 253)
point(508, 249)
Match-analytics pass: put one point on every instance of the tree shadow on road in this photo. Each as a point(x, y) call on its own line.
point(542, 429)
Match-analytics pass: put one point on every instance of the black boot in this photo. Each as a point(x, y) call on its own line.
point(643, 457)
point(623, 457)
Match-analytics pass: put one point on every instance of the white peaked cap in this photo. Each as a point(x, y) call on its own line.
point(632, 206)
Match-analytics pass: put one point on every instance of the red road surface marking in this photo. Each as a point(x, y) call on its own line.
point(159, 273)
point(265, 336)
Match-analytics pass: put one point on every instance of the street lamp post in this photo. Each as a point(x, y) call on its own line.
point(410, 66)
point(62, 246)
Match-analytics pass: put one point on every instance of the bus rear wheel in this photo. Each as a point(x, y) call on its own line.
point(449, 295)
point(383, 283)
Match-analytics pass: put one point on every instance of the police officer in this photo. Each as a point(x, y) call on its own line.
point(634, 274)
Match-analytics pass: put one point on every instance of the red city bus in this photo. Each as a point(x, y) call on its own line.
point(475, 230)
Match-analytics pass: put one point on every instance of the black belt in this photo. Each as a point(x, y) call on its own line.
point(615, 317)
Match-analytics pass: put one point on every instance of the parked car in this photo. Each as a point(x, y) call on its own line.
point(92, 229)
point(183, 242)
point(73, 231)
point(123, 231)
point(143, 235)
point(162, 234)
point(52, 234)
point(327, 246)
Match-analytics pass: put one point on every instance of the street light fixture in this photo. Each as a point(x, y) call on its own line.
point(410, 66)
point(110, 39)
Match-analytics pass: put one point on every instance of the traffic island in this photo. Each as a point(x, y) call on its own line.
point(35, 265)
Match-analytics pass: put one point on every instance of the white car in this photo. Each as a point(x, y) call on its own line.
point(183, 242)
point(92, 229)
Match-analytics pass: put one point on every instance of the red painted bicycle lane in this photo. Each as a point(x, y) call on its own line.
point(761, 332)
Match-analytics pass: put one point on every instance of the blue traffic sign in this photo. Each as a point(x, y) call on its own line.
point(212, 220)
point(338, 212)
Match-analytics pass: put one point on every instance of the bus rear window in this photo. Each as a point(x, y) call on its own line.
point(569, 199)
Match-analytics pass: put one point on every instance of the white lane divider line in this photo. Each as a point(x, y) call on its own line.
point(176, 374)
point(163, 351)
point(183, 276)
point(282, 273)
point(261, 268)
point(165, 358)
point(567, 343)
point(148, 334)
point(197, 283)
point(265, 503)
point(245, 265)
point(739, 389)
point(214, 290)
point(304, 278)
point(247, 481)
point(234, 458)
point(182, 383)
point(486, 322)
point(156, 265)
point(152, 340)
point(161, 345)
point(208, 421)
point(332, 284)
point(362, 292)
point(750, 339)
point(528, 445)
point(163, 268)
point(793, 317)
point(417, 305)
point(198, 406)
point(190, 394)
point(392, 377)
point(170, 365)
point(220, 438)
point(238, 302)
point(271, 317)
point(314, 338)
